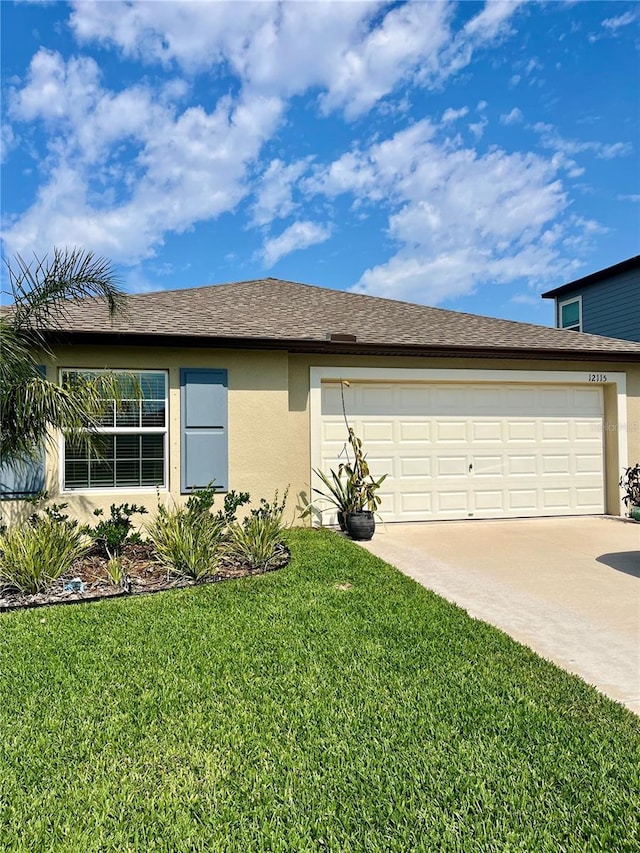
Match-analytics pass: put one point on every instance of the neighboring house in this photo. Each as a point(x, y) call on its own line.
point(471, 417)
point(606, 302)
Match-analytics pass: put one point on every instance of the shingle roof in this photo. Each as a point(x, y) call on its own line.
point(285, 312)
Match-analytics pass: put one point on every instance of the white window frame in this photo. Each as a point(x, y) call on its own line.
point(574, 328)
point(123, 430)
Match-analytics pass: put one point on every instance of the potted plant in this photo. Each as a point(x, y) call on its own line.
point(630, 482)
point(336, 492)
point(362, 490)
point(352, 489)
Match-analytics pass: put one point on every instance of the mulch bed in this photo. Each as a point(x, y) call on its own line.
point(143, 575)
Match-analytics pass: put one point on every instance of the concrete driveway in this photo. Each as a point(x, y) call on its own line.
point(567, 587)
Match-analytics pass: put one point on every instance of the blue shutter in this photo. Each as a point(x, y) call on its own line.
point(204, 452)
point(21, 479)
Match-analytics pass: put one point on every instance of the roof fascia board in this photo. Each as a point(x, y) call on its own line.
point(331, 348)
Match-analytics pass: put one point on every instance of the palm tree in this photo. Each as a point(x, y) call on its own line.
point(30, 406)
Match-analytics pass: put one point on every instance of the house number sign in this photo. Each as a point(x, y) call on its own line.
point(597, 377)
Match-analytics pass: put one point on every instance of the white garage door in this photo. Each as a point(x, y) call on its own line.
point(473, 451)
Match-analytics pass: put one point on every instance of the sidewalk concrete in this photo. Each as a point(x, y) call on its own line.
point(569, 588)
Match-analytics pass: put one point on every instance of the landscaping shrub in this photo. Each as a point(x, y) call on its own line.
point(255, 540)
point(112, 533)
point(35, 553)
point(187, 540)
point(202, 500)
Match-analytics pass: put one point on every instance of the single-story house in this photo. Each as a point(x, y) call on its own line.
point(606, 302)
point(244, 384)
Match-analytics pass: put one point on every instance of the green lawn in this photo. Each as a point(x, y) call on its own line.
point(283, 713)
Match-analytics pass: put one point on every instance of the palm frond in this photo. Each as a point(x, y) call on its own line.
point(41, 289)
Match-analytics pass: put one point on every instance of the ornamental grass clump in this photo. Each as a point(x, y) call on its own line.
point(255, 541)
point(36, 553)
point(187, 542)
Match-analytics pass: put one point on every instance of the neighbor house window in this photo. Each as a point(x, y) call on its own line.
point(570, 314)
point(131, 450)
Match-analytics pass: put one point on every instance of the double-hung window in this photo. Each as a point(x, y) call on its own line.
point(131, 450)
point(570, 314)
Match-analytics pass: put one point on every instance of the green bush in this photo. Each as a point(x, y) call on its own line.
point(255, 540)
point(187, 542)
point(112, 533)
point(34, 554)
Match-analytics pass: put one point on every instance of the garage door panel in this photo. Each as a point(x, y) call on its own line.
point(588, 464)
point(451, 431)
point(380, 465)
point(334, 432)
point(416, 502)
point(523, 499)
point(415, 466)
point(556, 464)
point(555, 431)
point(452, 466)
point(376, 431)
point(489, 501)
point(414, 431)
point(588, 430)
point(413, 400)
point(490, 431)
point(455, 502)
point(587, 400)
point(533, 450)
point(589, 499)
point(554, 399)
point(487, 466)
point(524, 431)
point(522, 465)
point(553, 499)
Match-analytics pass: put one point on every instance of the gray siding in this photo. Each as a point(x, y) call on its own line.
point(612, 307)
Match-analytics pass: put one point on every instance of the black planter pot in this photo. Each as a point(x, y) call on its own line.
point(342, 520)
point(361, 525)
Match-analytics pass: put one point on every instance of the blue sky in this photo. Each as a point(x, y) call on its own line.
point(466, 155)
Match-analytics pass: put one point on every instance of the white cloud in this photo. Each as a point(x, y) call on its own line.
point(620, 21)
point(55, 89)
point(459, 218)
point(278, 49)
point(125, 168)
point(489, 26)
point(450, 115)
point(477, 128)
point(409, 40)
point(300, 235)
point(513, 117)
point(550, 138)
point(190, 166)
point(353, 53)
point(274, 192)
point(630, 197)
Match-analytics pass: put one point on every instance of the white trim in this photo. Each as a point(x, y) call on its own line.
point(120, 431)
point(465, 375)
point(564, 302)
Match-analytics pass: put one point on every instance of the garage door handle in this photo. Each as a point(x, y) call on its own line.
point(471, 467)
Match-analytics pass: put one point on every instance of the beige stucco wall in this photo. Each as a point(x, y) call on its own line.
point(258, 419)
point(269, 422)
